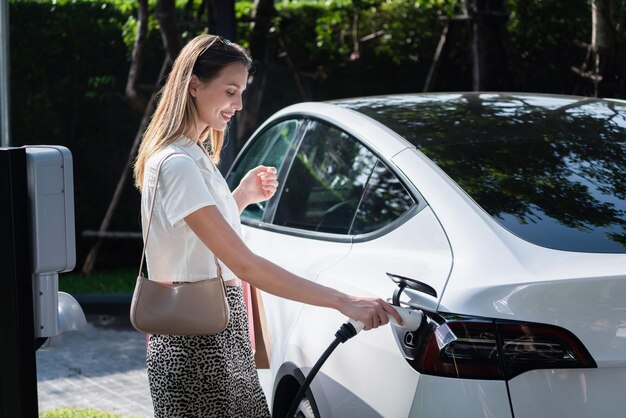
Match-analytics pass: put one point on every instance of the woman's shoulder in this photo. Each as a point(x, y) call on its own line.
point(172, 161)
point(169, 153)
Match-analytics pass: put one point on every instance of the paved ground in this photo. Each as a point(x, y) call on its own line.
point(101, 367)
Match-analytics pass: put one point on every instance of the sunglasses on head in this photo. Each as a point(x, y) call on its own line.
point(223, 40)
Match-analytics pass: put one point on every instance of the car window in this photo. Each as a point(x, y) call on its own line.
point(270, 149)
point(326, 181)
point(550, 169)
point(385, 199)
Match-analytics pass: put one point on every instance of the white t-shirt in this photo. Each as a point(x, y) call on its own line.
point(188, 181)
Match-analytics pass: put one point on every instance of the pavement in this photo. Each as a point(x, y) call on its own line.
point(102, 366)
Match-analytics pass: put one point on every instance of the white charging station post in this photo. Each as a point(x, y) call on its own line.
point(51, 196)
point(37, 229)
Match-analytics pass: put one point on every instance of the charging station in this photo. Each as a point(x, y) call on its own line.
point(38, 242)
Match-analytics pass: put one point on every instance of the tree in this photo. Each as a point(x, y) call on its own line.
point(485, 22)
point(603, 59)
point(166, 13)
point(489, 62)
point(221, 12)
point(262, 17)
point(138, 56)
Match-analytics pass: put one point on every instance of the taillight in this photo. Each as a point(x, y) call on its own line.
point(537, 346)
point(482, 348)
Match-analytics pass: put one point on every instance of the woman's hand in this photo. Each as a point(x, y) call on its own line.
point(371, 312)
point(257, 185)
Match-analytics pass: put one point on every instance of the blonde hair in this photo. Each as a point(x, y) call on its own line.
point(175, 115)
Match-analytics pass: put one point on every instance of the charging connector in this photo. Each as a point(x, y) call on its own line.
point(411, 321)
point(347, 331)
point(343, 334)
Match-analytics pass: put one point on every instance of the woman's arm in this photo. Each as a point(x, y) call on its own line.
point(257, 185)
point(213, 230)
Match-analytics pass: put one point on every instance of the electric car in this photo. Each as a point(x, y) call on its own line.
point(506, 214)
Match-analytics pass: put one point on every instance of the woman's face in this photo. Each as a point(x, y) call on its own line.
point(219, 99)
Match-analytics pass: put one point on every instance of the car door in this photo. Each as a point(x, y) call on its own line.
point(304, 228)
point(393, 231)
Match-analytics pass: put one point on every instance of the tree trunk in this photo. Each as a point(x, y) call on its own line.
point(489, 63)
point(226, 26)
point(262, 16)
point(166, 14)
point(606, 73)
point(208, 7)
point(434, 66)
point(137, 57)
point(601, 27)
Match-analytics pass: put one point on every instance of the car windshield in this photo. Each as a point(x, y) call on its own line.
point(551, 169)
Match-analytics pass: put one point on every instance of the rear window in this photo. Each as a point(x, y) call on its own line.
point(552, 170)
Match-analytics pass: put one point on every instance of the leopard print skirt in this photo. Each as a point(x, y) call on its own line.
point(207, 376)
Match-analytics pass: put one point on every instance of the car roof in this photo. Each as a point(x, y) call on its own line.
point(413, 116)
point(387, 144)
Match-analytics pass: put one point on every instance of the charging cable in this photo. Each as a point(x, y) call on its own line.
point(411, 320)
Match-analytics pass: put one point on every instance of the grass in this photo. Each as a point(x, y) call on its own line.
point(112, 281)
point(79, 413)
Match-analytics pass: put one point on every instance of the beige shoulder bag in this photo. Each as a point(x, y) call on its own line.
point(187, 308)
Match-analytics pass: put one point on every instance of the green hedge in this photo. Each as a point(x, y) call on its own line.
point(68, 73)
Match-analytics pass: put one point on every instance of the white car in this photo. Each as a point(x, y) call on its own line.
point(508, 210)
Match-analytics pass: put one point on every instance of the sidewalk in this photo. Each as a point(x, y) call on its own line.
point(102, 367)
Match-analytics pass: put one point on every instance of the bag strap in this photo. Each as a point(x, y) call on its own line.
point(145, 243)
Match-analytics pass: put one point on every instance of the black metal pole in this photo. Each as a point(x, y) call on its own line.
point(18, 373)
point(5, 90)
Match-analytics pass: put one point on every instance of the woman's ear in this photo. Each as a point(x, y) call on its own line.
point(194, 85)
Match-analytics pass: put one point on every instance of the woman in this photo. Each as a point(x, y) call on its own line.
point(196, 216)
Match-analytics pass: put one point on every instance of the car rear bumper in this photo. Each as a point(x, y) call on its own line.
point(449, 397)
point(569, 393)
